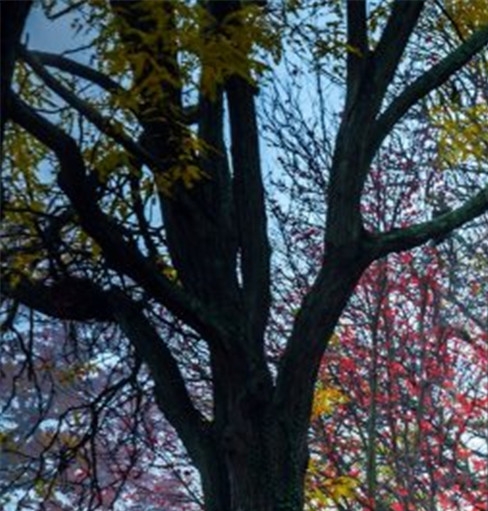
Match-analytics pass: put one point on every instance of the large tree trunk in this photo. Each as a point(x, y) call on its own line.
point(259, 468)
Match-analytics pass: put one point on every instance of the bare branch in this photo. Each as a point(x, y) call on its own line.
point(12, 17)
point(357, 51)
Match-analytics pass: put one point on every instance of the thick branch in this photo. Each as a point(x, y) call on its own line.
point(313, 327)
point(400, 25)
point(368, 78)
point(249, 202)
point(357, 30)
point(426, 83)
point(162, 110)
point(248, 192)
point(398, 240)
point(72, 298)
point(190, 113)
point(170, 391)
point(357, 51)
point(77, 69)
point(197, 219)
point(325, 302)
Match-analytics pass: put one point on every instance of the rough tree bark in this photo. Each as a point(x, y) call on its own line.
point(253, 455)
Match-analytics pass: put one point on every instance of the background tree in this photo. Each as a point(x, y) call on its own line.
point(402, 389)
point(402, 310)
point(141, 204)
point(400, 411)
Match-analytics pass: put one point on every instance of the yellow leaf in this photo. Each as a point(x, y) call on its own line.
point(326, 400)
point(462, 136)
point(170, 273)
point(341, 487)
point(469, 16)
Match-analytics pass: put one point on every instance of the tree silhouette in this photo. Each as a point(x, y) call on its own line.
point(146, 200)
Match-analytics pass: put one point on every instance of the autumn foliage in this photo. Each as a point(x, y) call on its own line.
point(244, 256)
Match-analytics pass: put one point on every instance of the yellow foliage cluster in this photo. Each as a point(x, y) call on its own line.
point(462, 133)
point(231, 51)
point(185, 170)
point(24, 153)
point(325, 492)
point(468, 15)
point(205, 57)
point(326, 400)
point(75, 372)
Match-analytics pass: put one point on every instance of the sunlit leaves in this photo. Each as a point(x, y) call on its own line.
point(326, 399)
point(467, 16)
point(24, 202)
point(186, 170)
point(326, 490)
point(462, 134)
point(232, 50)
point(105, 159)
point(458, 109)
point(206, 56)
point(24, 156)
point(341, 487)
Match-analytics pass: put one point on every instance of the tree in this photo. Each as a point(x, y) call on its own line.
point(144, 201)
point(400, 410)
point(400, 414)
